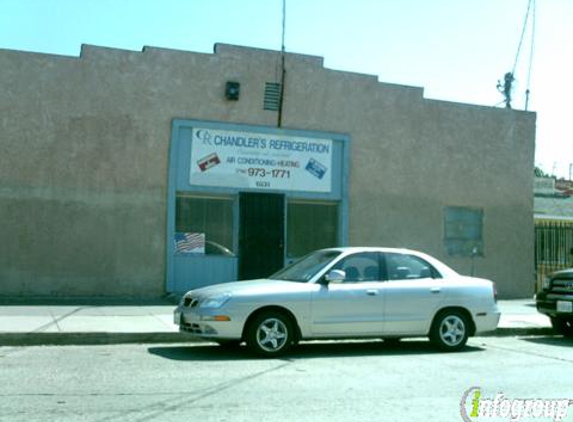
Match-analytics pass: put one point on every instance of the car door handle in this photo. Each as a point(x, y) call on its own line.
point(372, 292)
point(436, 290)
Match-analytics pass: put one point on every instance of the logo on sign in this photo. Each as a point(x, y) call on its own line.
point(204, 135)
point(315, 168)
point(208, 162)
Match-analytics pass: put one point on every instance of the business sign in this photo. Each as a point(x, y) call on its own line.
point(237, 159)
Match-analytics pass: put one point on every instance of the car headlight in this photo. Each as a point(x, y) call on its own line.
point(214, 302)
point(546, 283)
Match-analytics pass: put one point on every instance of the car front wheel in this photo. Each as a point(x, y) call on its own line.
point(563, 326)
point(270, 334)
point(449, 331)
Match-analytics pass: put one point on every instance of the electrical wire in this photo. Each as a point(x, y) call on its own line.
point(283, 70)
point(522, 35)
point(284, 27)
point(531, 51)
point(529, 14)
point(278, 67)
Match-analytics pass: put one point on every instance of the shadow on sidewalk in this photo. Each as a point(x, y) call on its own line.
point(555, 340)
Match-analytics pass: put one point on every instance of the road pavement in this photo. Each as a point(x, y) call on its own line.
point(319, 381)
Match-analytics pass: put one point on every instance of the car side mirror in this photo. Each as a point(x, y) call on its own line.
point(335, 276)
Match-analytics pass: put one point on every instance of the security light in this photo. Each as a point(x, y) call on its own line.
point(232, 90)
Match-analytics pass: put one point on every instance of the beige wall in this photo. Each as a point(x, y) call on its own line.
point(84, 147)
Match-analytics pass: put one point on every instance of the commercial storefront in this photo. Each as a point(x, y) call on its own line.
point(245, 200)
point(137, 173)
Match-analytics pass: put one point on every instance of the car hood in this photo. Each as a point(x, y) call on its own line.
point(249, 287)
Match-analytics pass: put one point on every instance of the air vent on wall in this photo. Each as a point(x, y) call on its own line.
point(272, 96)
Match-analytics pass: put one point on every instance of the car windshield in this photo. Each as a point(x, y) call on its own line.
point(306, 268)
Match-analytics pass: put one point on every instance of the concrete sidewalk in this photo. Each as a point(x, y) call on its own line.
point(108, 322)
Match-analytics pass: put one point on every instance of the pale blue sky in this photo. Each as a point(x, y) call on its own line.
point(455, 49)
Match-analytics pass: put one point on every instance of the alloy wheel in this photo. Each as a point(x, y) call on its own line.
point(272, 334)
point(452, 330)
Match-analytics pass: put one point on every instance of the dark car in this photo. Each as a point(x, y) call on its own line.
point(556, 301)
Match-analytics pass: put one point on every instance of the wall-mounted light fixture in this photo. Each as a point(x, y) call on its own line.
point(232, 90)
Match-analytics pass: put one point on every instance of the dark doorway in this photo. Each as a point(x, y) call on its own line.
point(261, 235)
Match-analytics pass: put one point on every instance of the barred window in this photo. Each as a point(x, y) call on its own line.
point(311, 225)
point(463, 231)
point(211, 216)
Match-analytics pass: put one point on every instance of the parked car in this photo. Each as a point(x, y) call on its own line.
point(344, 293)
point(556, 301)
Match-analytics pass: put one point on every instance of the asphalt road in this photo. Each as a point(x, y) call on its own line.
point(333, 381)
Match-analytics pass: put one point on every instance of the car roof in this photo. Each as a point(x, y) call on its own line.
point(372, 248)
point(442, 267)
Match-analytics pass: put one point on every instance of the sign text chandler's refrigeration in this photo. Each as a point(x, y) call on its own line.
point(237, 159)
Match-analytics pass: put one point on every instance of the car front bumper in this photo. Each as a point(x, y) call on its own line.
point(554, 308)
point(555, 304)
point(208, 323)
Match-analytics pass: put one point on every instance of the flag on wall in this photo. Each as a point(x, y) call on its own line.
point(190, 243)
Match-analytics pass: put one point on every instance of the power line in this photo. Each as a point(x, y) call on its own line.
point(506, 86)
point(531, 50)
point(283, 71)
point(284, 27)
point(522, 34)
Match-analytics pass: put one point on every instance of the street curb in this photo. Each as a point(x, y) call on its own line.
point(106, 338)
point(519, 331)
point(88, 339)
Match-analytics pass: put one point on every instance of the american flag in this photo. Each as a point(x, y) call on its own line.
point(190, 242)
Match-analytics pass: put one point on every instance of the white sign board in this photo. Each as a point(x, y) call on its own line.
point(238, 159)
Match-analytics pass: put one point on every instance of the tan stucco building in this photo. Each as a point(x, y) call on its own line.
point(102, 175)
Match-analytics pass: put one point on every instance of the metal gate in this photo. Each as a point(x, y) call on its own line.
point(553, 247)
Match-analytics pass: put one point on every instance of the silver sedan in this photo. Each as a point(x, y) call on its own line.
point(344, 293)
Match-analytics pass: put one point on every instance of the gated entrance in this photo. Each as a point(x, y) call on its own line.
point(553, 247)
